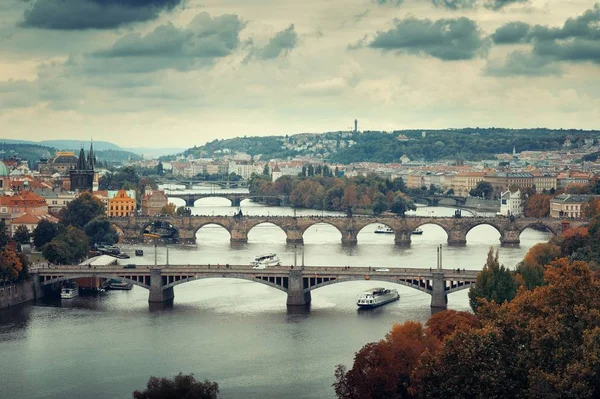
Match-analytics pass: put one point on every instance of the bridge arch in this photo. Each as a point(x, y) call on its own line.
point(90, 275)
point(538, 224)
point(477, 223)
point(208, 223)
point(278, 235)
point(201, 198)
point(159, 226)
point(423, 287)
point(225, 276)
point(435, 223)
point(316, 223)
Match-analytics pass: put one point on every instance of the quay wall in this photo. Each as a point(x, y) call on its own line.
point(482, 204)
point(15, 294)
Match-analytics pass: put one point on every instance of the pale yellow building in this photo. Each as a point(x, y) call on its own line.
point(121, 205)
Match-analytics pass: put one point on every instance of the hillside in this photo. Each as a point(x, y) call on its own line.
point(33, 152)
point(386, 147)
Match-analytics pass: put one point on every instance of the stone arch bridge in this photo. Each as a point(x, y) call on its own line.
point(296, 282)
point(294, 227)
point(235, 198)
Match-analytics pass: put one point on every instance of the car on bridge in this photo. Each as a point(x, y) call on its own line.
point(382, 269)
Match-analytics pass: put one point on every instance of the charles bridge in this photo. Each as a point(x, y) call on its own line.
point(132, 228)
point(235, 198)
point(296, 282)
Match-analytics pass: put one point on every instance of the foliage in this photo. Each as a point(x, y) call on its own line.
point(68, 248)
point(22, 235)
point(180, 387)
point(401, 205)
point(10, 265)
point(4, 238)
point(82, 210)
point(445, 323)
point(125, 178)
point(168, 209)
point(44, 232)
point(494, 283)
point(537, 206)
point(483, 189)
point(101, 231)
point(183, 211)
point(160, 170)
point(382, 369)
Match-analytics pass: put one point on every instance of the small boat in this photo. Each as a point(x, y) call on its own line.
point(377, 297)
point(119, 285)
point(417, 231)
point(69, 291)
point(139, 252)
point(384, 230)
point(266, 260)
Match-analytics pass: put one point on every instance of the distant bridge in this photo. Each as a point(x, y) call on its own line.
point(296, 282)
point(132, 228)
point(235, 198)
point(191, 182)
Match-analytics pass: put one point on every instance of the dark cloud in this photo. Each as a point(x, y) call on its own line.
point(512, 32)
point(282, 43)
point(93, 14)
point(203, 41)
point(498, 4)
point(454, 4)
point(446, 39)
point(578, 40)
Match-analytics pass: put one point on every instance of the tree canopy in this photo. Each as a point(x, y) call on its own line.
point(180, 387)
point(82, 210)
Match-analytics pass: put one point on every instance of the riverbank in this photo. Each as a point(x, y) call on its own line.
point(16, 294)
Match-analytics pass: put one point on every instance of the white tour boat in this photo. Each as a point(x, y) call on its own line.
point(377, 297)
point(417, 231)
point(266, 260)
point(384, 230)
point(68, 292)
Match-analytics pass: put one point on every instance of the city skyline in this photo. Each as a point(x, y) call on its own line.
point(135, 75)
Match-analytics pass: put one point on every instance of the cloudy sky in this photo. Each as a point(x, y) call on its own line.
point(173, 73)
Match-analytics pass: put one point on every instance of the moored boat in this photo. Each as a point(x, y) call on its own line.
point(417, 231)
point(69, 291)
point(377, 297)
point(384, 230)
point(119, 285)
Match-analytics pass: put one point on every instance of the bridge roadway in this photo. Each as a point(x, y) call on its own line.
point(297, 282)
point(132, 228)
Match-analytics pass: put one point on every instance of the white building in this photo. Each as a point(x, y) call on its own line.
point(511, 204)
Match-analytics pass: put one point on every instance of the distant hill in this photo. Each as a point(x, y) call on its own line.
point(75, 145)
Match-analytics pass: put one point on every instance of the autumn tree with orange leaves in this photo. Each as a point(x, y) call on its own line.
point(538, 206)
point(10, 265)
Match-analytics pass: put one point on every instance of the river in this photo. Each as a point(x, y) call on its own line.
point(235, 332)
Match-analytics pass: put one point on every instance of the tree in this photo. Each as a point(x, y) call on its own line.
point(4, 238)
point(22, 235)
point(483, 189)
point(160, 170)
point(44, 232)
point(494, 283)
point(183, 211)
point(101, 231)
point(537, 206)
point(401, 205)
point(180, 387)
point(82, 210)
point(379, 204)
point(383, 369)
point(10, 265)
point(450, 192)
point(168, 209)
point(68, 248)
point(445, 323)
point(266, 171)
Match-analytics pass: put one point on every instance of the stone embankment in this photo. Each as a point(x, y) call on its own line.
point(15, 294)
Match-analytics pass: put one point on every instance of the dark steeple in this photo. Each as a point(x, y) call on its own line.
point(81, 163)
point(91, 157)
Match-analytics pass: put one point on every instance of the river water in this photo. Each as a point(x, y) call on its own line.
point(235, 332)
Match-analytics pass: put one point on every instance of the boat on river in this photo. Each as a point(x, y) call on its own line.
point(377, 297)
point(417, 231)
point(384, 230)
point(69, 291)
point(266, 260)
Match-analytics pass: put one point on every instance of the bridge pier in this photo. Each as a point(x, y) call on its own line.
point(236, 201)
point(349, 237)
point(190, 202)
point(296, 296)
point(439, 297)
point(402, 238)
point(457, 238)
point(157, 293)
point(510, 238)
point(239, 235)
point(294, 237)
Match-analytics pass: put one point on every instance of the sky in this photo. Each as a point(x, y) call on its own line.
point(179, 73)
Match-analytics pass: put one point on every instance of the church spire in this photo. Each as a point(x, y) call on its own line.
point(91, 161)
point(81, 163)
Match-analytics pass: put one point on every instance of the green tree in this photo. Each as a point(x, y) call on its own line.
point(160, 170)
point(44, 232)
point(82, 210)
point(266, 171)
point(183, 211)
point(494, 283)
point(180, 387)
point(401, 205)
point(101, 231)
point(22, 235)
point(483, 189)
point(379, 204)
point(68, 248)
